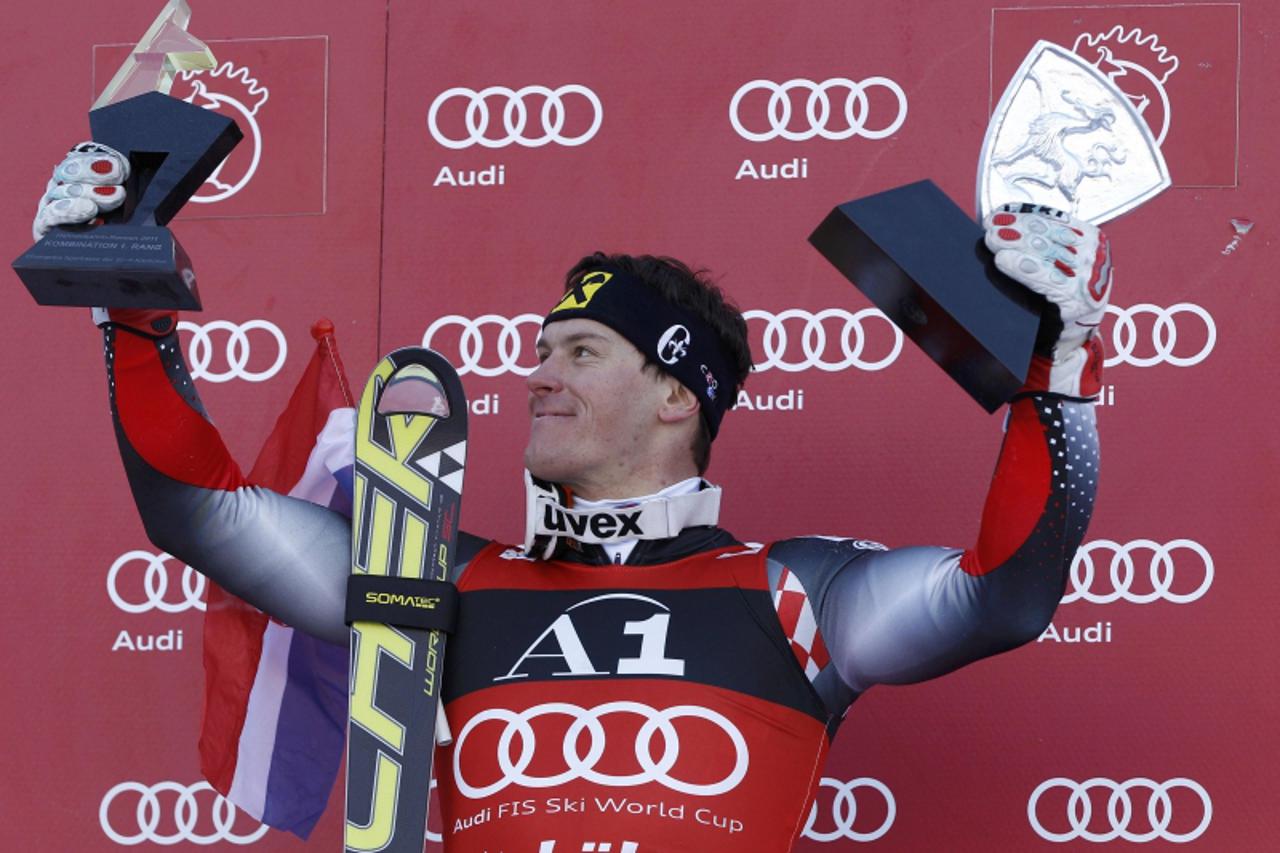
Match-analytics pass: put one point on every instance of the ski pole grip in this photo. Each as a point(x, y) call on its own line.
point(402, 602)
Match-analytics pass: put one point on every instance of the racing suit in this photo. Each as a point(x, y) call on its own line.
point(682, 701)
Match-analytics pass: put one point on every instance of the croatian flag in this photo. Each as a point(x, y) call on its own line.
point(275, 710)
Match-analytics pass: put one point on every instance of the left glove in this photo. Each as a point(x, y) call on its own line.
point(1069, 263)
point(89, 181)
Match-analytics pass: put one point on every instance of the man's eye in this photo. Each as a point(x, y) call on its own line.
point(542, 355)
point(581, 350)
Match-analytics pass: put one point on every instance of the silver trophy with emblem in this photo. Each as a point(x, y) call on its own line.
point(1062, 136)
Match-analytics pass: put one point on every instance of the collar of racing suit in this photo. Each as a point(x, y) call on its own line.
point(674, 522)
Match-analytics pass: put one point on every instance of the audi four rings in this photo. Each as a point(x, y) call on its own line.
point(844, 811)
point(155, 585)
point(1122, 572)
point(491, 345)
point(186, 816)
point(517, 727)
point(852, 340)
point(818, 110)
point(1120, 810)
point(515, 116)
point(236, 351)
point(813, 340)
point(471, 346)
point(1164, 335)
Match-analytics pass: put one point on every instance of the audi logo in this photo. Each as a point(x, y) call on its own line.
point(471, 345)
point(236, 350)
point(1120, 809)
point(155, 585)
point(588, 721)
point(844, 811)
point(818, 110)
point(186, 814)
point(515, 116)
point(1164, 335)
point(852, 338)
point(1121, 572)
point(831, 339)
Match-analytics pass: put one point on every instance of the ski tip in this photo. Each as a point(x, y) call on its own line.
point(414, 390)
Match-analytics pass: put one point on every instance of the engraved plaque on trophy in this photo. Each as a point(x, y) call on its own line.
point(1063, 136)
point(133, 260)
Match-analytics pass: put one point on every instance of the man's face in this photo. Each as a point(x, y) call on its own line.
point(594, 410)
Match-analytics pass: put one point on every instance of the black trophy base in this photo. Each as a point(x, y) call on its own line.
point(117, 266)
point(922, 261)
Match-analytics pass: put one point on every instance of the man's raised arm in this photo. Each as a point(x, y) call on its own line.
point(904, 615)
point(286, 556)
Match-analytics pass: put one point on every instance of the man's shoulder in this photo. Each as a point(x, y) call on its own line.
point(814, 561)
point(822, 546)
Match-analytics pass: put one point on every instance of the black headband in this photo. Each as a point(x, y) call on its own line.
point(674, 339)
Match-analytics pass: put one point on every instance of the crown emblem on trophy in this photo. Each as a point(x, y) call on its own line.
point(1138, 65)
point(232, 91)
point(238, 85)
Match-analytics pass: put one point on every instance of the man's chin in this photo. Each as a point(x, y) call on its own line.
point(552, 470)
point(541, 467)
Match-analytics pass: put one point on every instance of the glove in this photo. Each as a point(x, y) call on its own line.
point(1069, 263)
point(88, 182)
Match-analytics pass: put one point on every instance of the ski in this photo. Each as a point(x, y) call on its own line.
point(411, 441)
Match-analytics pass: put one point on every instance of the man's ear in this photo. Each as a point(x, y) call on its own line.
point(680, 404)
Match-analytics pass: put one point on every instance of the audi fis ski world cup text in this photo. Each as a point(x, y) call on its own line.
point(656, 749)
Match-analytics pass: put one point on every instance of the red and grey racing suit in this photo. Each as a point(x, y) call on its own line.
point(682, 701)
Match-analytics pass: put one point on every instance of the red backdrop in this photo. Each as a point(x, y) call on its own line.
point(362, 194)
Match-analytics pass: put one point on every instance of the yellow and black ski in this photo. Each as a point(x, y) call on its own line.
point(411, 445)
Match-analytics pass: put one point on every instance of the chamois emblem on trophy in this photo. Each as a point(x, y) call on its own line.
point(1049, 156)
point(1064, 135)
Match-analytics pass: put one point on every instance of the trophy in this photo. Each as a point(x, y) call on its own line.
point(133, 260)
point(1062, 136)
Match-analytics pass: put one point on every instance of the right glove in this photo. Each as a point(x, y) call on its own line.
point(1069, 263)
point(89, 181)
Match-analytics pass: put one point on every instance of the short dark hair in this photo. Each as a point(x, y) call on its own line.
point(695, 292)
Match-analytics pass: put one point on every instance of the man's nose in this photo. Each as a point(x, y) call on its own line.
point(545, 378)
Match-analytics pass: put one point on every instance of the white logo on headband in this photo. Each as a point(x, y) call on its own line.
point(674, 344)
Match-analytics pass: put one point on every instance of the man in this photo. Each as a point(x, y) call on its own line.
point(651, 683)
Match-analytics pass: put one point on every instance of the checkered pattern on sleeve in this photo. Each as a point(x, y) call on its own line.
point(799, 625)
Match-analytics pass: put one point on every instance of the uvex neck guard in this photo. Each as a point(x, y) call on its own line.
point(676, 340)
point(550, 518)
